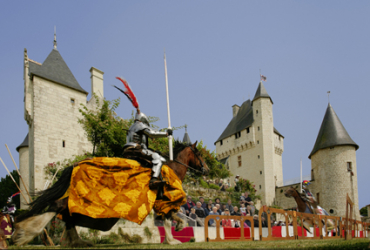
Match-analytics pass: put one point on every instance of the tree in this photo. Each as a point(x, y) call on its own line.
point(363, 211)
point(7, 188)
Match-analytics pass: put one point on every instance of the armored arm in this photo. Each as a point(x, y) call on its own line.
point(153, 133)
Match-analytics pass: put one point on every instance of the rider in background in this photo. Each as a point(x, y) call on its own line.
point(308, 196)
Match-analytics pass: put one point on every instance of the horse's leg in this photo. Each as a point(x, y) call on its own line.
point(71, 235)
point(29, 228)
point(180, 222)
point(72, 238)
point(168, 234)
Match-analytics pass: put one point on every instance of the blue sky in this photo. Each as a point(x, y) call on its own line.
point(215, 50)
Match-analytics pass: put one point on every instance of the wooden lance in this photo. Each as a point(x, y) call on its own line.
point(19, 173)
point(13, 180)
point(168, 109)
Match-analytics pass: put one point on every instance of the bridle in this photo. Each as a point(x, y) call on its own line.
point(203, 170)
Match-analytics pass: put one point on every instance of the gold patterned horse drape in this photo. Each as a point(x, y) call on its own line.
point(119, 188)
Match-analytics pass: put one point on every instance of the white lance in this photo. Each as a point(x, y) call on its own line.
point(168, 109)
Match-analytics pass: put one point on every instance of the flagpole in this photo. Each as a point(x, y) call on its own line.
point(301, 175)
point(168, 108)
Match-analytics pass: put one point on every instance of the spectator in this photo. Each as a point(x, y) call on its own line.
point(229, 206)
point(249, 211)
point(210, 202)
point(223, 207)
point(188, 205)
point(212, 222)
point(221, 183)
point(193, 215)
point(218, 201)
point(218, 209)
point(235, 211)
point(245, 199)
point(225, 187)
point(208, 209)
point(237, 188)
point(237, 223)
point(204, 205)
point(255, 220)
point(226, 222)
point(199, 210)
point(243, 209)
point(263, 222)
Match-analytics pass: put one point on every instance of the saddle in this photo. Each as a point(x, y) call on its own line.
point(135, 153)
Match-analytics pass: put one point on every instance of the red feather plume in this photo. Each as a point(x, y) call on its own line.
point(128, 92)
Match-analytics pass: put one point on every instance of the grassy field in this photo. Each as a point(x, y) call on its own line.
point(286, 244)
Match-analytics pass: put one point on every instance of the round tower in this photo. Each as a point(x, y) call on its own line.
point(334, 169)
point(23, 151)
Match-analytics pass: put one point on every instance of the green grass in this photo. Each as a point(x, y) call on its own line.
point(283, 244)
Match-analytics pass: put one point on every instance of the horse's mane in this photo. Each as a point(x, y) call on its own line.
point(178, 147)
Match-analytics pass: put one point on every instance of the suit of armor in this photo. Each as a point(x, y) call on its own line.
point(138, 134)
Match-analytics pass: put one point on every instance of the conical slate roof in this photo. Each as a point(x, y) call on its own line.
point(241, 121)
point(261, 93)
point(332, 133)
point(55, 69)
point(23, 144)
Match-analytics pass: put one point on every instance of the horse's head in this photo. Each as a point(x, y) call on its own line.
point(196, 159)
point(290, 192)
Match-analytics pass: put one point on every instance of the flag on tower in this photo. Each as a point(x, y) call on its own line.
point(263, 78)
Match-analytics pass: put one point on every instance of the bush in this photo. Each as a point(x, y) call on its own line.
point(214, 186)
point(203, 183)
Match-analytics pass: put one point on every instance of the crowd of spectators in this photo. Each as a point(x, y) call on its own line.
point(196, 212)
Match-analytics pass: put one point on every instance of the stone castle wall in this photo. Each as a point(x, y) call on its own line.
point(56, 133)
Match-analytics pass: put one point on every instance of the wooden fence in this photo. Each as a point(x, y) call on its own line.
point(293, 218)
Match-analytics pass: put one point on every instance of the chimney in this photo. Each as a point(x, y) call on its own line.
point(235, 110)
point(97, 85)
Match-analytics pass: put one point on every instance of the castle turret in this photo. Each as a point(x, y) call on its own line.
point(23, 151)
point(334, 169)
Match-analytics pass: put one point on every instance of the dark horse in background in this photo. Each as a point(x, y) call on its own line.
point(46, 206)
point(303, 207)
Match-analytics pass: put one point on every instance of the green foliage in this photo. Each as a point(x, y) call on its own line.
point(129, 239)
point(203, 183)
point(7, 188)
point(104, 129)
point(216, 169)
point(214, 186)
point(192, 239)
point(246, 185)
point(363, 211)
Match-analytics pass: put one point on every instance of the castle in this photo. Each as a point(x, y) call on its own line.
point(52, 98)
point(251, 147)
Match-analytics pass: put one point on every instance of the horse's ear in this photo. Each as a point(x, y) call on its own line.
point(194, 145)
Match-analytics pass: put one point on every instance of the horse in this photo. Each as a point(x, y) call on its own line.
point(303, 207)
point(46, 206)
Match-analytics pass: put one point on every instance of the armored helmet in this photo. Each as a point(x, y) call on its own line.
point(142, 117)
point(305, 184)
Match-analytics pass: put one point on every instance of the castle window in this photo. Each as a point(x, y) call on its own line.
point(258, 128)
point(318, 198)
point(237, 135)
point(256, 112)
point(260, 172)
point(64, 144)
point(258, 142)
point(247, 130)
point(260, 187)
point(331, 147)
point(239, 161)
point(258, 157)
point(349, 166)
point(72, 101)
point(221, 143)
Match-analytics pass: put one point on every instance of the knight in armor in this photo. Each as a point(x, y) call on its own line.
point(308, 196)
point(10, 208)
point(136, 146)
